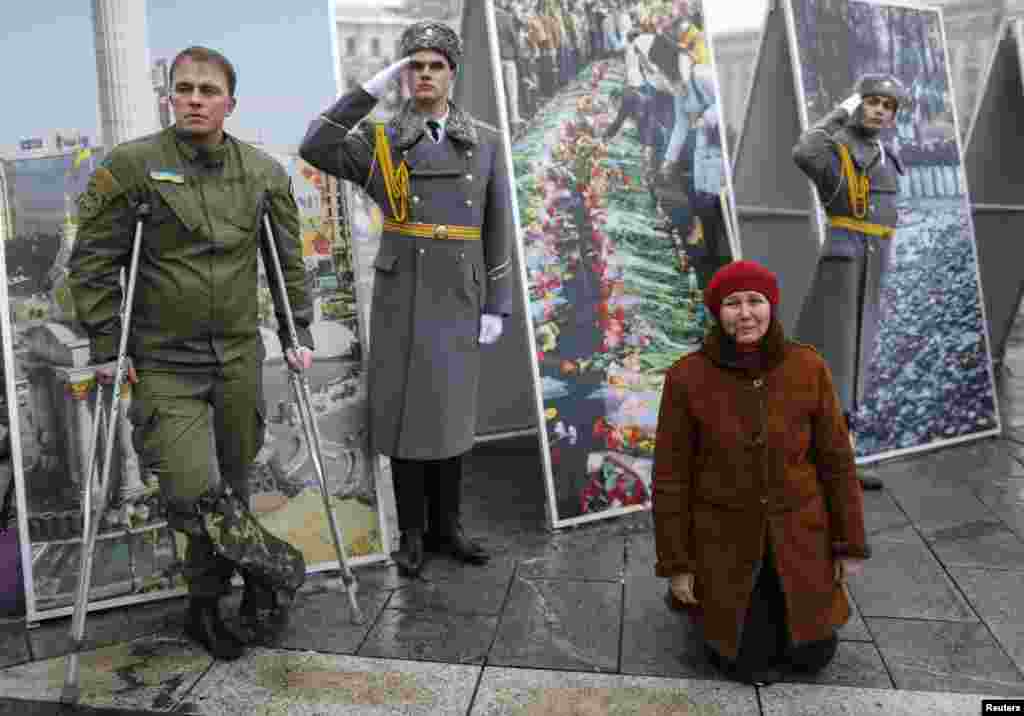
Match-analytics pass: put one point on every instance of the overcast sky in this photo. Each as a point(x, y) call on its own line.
point(282, 49)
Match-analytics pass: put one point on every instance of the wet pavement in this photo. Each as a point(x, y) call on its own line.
point(575, 622)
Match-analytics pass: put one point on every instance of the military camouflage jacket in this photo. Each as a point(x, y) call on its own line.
point(196, 293)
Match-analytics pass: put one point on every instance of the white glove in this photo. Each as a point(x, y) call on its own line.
point(379, 83)
point(490, 328)
point(851, 103)
point(682, 588)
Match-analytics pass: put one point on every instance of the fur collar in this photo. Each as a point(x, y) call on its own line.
point(406, 127)
point(721, 349)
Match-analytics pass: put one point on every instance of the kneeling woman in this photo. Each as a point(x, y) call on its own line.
point(758, 514)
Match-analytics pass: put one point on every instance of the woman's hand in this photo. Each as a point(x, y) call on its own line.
point(847, 567)
point(682, 588)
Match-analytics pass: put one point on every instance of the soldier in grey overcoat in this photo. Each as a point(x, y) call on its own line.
point(857, 178)
point(442, 282)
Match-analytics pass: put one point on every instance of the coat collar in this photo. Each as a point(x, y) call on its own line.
point(406, 127)
point(721, 349)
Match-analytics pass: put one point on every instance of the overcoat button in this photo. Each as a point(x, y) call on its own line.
point(469, 177)
point(415, 200)
point(422, 251)
point(469, 202)
point(758, 383)
point(764, 500)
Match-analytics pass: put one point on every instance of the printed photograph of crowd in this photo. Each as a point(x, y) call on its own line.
point(619, 163)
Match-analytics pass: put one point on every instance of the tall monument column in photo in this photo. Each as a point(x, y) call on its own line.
point(127, 102)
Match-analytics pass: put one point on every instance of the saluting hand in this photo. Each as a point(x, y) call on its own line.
point(379, 83)
point(851, 103)
point(491, 327)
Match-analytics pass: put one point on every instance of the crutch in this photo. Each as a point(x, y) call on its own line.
point(92, 515)
point(300, 387)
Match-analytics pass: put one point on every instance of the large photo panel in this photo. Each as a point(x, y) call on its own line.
point(48, 159)
point(930, 379)
point(620, 163)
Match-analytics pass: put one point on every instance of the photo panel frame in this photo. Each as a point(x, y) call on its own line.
point(930, 381)
point(618, 174)
point(997, 204)
point(46, 361)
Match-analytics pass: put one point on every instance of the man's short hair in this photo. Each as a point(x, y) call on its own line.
point(197, 53)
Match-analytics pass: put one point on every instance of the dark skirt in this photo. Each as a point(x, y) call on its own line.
point(765, 650)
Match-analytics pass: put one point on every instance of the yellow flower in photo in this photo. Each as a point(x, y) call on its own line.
point(551, 413)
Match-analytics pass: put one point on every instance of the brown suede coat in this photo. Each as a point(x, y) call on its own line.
point(748, 453)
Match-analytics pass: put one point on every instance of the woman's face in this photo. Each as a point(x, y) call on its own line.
point(745, 316)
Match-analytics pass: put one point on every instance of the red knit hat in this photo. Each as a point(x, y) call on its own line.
point(740, 276)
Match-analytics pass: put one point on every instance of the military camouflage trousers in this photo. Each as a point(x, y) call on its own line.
point(198, 429)
point(224, 536)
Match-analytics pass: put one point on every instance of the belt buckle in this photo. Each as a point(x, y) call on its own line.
point(441, 231)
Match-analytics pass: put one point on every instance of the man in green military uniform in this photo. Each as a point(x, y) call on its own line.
point(195, 347)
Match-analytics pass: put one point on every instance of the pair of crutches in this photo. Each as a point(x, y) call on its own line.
point(92, 514)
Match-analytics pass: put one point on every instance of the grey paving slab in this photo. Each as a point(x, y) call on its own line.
point(903, 579)
point(276, 683)
point(152, 672)
point(13, 643)
point(933, 505)
point(1006, 500)
point(806, 700)
point(945, 656)
point(640, 555)
point(527, 692)
point(431, 636)
point(855, 629)
point(52, 638)
point(443, 568)
point(855, 664)
point(995, 594)
point(656, 640)
point(560, 625)
point(322, 621)
point(881, 514)
point(978, 544)
point(1010, 636)
point(471, 592)
point(578, 555)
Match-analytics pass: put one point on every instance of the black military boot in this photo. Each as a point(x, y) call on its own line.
point(409, 558)
point(446, 534)
point(264, 612)
point(205, 626)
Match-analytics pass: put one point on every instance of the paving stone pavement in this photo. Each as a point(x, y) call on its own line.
point(575, 622)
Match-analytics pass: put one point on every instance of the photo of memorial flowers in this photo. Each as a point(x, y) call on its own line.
point(619, 166)
point(930, 377)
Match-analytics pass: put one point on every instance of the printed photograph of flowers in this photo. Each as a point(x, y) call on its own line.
point(619, 166)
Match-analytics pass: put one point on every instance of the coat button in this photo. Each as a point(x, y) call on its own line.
point(758, 383)
point(469, 177)
point(422, 251)
point(415, 200)
point(469, 202)
point(764, 500)
point(469, 154)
